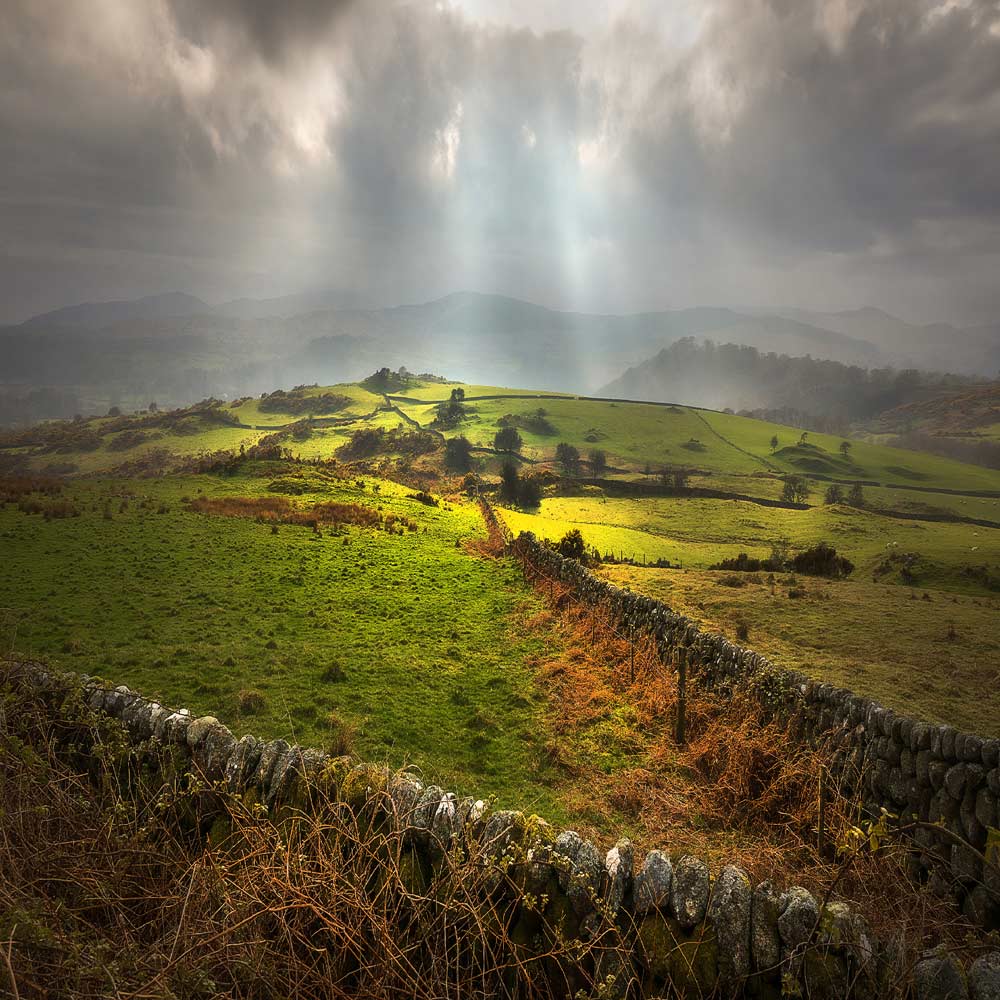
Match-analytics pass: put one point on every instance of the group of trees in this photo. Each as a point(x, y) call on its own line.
point(525, 491)
point(820, 559)
point(452, 411)
point(854, 498)
point(796, 490)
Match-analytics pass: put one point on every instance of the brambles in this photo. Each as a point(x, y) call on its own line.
point(822, 560)
point(818, 560)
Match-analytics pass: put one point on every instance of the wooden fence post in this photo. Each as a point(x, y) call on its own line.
point(821, 826)
point(681, 694)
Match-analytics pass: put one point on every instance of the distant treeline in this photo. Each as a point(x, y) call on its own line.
point(978, 452)
point(807, 392)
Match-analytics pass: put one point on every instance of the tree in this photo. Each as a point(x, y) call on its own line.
point(774, 442)
point(458, 454)
point(572, 545)
point(680, 478)
point(507, 439)
point(845, 448)
point(834, 494)
point(153, 408)
point(856, 498)
point(115, 411)
point(598, 463)
point(529, 493)
point(510, 481)
point(803, 436)
point(568, 458)
point(795, 490)
point(458, 395)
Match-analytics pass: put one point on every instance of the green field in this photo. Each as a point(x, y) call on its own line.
point(702, 532)
point(194, 608)
point(821, 457)
point(362, 402)
point(897, 560)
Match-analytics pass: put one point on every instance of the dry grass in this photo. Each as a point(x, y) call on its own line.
point(280, 510)
point(113, 885)
point(740, 791)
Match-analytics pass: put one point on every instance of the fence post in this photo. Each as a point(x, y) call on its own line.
point(821, 826)
point(681, 694)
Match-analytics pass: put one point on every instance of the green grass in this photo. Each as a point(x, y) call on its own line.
point(362, 402)
point(866, 461)
point(700, 532)
point(210, 438)
point(192, 609)
point(886, 642)
point(438, 391)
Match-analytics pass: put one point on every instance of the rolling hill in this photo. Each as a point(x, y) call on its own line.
point(176, 349)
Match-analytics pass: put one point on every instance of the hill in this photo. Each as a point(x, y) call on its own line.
point(681, 485)
point(176, 349)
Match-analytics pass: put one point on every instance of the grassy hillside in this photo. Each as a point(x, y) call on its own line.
point(907, 539)
point(407, 638)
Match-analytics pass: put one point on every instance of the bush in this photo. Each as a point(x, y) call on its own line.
point(572, 545)
point(458, 454)
point(822, 560)
point(507, 439)
point(298, 402)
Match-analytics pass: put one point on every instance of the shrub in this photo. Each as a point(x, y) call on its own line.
point(297, 402)
point(507, 439)
point(572, 545)
point(822, 560)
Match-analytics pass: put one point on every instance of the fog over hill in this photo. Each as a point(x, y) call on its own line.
point(176, 348)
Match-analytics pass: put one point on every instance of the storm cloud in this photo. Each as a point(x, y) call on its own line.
point(821, 154)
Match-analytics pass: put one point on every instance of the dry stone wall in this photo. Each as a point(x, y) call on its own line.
point(942, 784)
point(642, 927)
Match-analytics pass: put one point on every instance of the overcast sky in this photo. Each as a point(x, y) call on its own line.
point(589, 155)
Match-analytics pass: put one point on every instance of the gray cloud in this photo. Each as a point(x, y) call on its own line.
point(822, 154)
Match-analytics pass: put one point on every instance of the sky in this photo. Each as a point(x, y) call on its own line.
point(602, 156)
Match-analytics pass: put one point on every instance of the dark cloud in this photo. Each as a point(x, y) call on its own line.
point(826, 153)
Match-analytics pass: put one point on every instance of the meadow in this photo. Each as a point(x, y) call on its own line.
point(406, 643)
point(392, 582)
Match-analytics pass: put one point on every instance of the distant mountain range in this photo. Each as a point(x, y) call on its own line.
point(177, 348)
